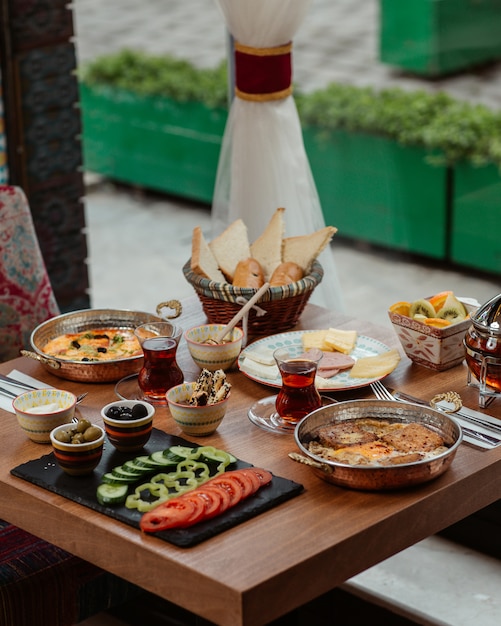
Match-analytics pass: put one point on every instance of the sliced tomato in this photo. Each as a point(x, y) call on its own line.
point(232, 486)
point(221, 493)
point(206, 501)
point(174, 513)
point(246, 482)
point(264, 475)
point(207, 504)
point(253, 477)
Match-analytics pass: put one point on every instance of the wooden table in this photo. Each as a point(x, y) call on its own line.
point(283, 558)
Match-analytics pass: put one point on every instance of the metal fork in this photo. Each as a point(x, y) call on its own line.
point(380, 391)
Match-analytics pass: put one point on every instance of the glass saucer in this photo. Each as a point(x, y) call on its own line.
point(128, 389)
point(263, 414)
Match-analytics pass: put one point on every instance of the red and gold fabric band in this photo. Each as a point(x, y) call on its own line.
point(263, 74)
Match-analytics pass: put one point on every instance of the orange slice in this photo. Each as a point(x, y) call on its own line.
point(403, 308)
point(436, 321)
point(438, 299)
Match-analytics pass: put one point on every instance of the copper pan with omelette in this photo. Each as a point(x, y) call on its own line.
point(377, 445)
point(90, 345)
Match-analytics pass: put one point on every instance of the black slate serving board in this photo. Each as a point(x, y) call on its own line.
point(44, 472)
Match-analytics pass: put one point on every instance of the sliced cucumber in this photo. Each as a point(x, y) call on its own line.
point(164, 461)
point(111, 479)
point(134, 468)
point(111, 494)
point(123, 473)
point(144, 461)
point(183, 452)
point(216, 456)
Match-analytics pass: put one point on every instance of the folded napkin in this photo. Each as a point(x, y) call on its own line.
point(5, 402)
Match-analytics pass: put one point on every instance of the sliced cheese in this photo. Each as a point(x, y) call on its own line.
point(341, 340)
point(253, 368)
point(375, 366)
point(261, 354)
point(314, 339)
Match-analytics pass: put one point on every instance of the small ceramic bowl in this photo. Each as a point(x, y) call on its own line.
point(133, 433)
point(194, 420)
point(38, 412)
point(77, 459)
point(213, 356)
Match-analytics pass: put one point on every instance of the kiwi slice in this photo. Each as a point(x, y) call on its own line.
point(452, 310)
point(422, 307)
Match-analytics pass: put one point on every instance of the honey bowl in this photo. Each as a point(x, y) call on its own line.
point(213, 356)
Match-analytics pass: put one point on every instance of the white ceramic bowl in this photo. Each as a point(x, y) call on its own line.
point(209, 356)
point(53, 406)
point(194, 420)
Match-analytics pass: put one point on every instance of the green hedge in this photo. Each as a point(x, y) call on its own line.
point(436, 121)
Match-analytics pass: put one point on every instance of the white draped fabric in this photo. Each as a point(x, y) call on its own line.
point(263, 164)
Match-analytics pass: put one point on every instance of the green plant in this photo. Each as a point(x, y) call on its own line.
point(151, 75)
point(449, 129)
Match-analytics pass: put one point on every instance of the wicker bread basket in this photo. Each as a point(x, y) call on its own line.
point(282, 305)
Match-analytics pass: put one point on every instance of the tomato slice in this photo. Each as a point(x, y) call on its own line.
point(253, 477)
point(246, 483)
point(212, 500)
point(174, 513)
point(222, 494)
point(232, 486)
point(264, 475)
point(200, 507)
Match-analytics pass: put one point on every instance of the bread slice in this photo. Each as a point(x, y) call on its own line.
point(230, 247)
point(304, 249)
point(267, 249)
point(203, 261)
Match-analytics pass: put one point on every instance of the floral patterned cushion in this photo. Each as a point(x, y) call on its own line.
point(26, 296)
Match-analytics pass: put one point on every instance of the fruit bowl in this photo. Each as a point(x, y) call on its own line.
point(427, 339)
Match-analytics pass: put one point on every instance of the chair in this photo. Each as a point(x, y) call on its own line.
point(26, 296)
point(40, 584)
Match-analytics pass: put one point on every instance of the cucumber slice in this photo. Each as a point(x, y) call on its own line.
point(123, 473)
point(184, 452)
point(111, 479)
point(133, 468)
point(164, 461)
point(217, 456)
point(144, 461)
point(111, 494)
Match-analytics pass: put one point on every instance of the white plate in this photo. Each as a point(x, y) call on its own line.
point(365, 346)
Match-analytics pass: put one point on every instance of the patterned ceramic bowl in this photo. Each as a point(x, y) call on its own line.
point(194, 420)
point(213, 356)
point(77, 459)
point(38, 412)
point(128, 430)
point(435, 348)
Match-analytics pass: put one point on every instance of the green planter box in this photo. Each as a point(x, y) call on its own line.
point(435, 37)
point(476, 217)
point(375, 190)
point(153, 142)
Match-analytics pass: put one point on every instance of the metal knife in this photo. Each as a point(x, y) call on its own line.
point(6, 392)
point(464, 413)
point(16, 383)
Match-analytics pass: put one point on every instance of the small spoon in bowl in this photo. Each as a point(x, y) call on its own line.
point(234, 321)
